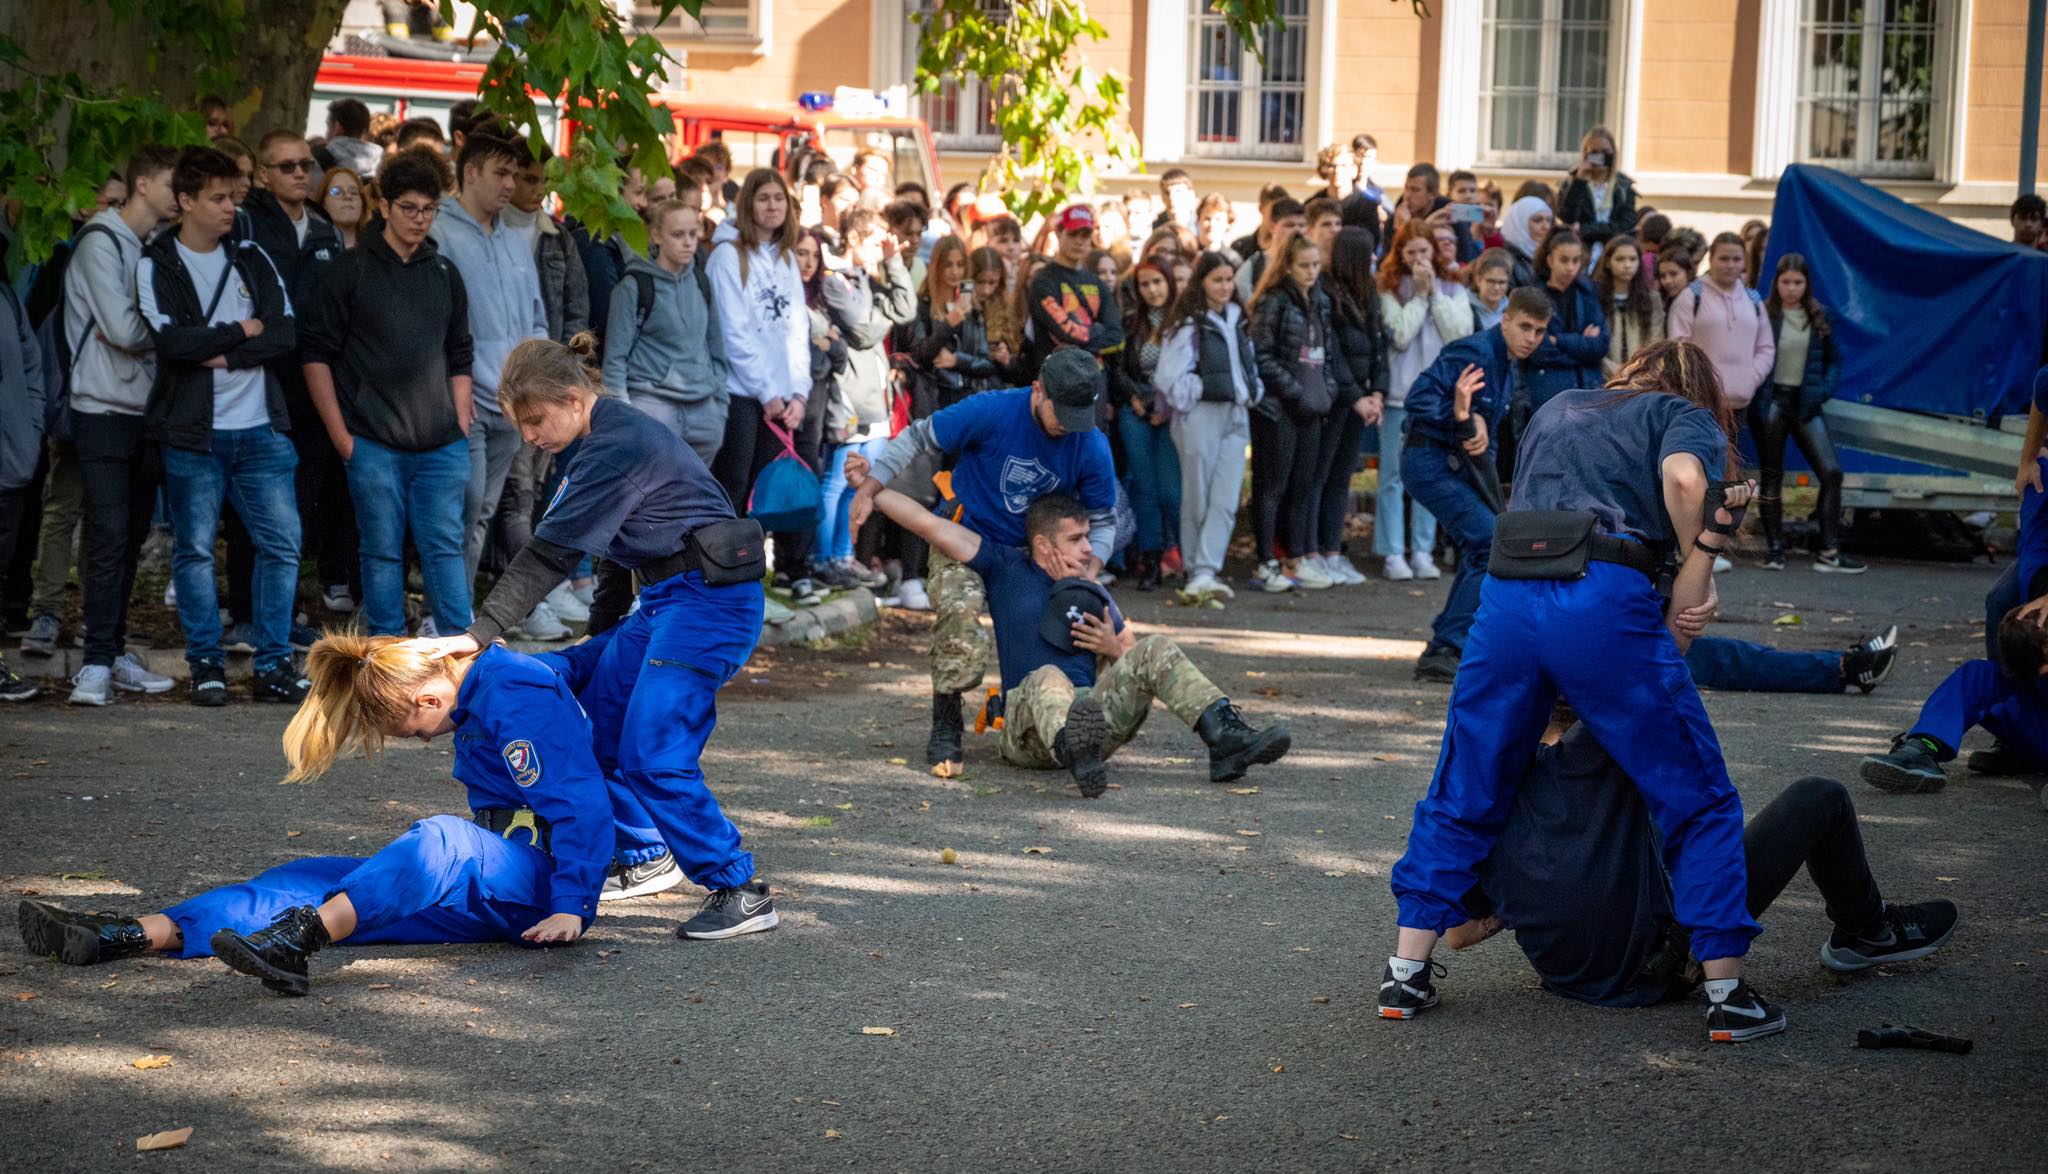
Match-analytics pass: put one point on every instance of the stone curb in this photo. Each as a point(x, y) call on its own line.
point(844, 613)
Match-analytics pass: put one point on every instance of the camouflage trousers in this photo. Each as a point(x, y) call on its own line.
point(960, 645)
point(1036, 710)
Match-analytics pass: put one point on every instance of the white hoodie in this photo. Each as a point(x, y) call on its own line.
point(767, 329)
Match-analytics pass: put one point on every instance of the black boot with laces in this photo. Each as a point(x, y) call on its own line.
point(278, 954)
point(1234, 745)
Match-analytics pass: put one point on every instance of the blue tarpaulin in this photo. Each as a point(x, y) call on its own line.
point(1932, 316)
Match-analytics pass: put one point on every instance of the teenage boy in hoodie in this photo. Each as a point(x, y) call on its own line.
point(665, 350)
point(218, 312)
point(113, 363)
point(387, 362)
point(504, 310)
point(1069, 306)
point(301, 243)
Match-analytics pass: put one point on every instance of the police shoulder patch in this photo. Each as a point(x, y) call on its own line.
point(523, 761)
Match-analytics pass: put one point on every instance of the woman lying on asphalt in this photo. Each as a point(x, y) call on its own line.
point(526, 867)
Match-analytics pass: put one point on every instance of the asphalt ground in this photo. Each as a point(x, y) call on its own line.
point(1182, 980)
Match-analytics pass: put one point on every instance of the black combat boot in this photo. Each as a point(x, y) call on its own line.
point(1082, 746)
point(78, 939)
point(1149, 574)
point(943, 752)
point(276, 955)
point(1235, 747)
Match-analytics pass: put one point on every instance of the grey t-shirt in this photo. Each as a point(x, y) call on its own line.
point(1604, 451)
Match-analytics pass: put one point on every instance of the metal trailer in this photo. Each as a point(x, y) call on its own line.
point(1961, 465)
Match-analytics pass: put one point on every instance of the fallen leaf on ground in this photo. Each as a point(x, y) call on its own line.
point(40, 762)
point(1037, 850)
point(1320, 999)
point(1944, 878)
point(1279, 1067)
point(380, 986)
point(147, 1062)
point(1179, 761)
point(169, 1139)
point(844, 806)
point(1248, 832)
point(24, 996)
point(1787, 621)
point(899, 762)
point(1238, 848)
point(293, 835)
point(833, 1135)
point(1244, 790)
point(1185, 1006)
point(878, 1031)
point(1336, 872)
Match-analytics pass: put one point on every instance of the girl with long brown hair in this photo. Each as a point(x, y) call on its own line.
point(1805, 368)
point(1142, 421)
point(760, 298)
point(1627, 291)
point(1303, 370)
point(1610, 481)
point(525, 866)
point(1424, 310)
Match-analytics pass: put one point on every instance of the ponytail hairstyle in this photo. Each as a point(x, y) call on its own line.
point(1677, 367)
point(1557, 239)
point(541, 372)
point(362, 687)
point(1816, 316)
point(752, 235)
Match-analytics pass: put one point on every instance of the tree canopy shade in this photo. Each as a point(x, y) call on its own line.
point(83, 83)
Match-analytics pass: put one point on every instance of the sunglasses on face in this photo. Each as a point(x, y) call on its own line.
point(292, 166)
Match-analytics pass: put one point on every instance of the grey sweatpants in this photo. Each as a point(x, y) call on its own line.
point(1212, 439)
point(493, 442)
point(701, 424)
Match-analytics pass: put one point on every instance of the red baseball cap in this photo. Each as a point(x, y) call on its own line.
point(1076, 218)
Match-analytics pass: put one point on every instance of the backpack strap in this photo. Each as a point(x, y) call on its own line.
point(71, 356)
point(644, 283)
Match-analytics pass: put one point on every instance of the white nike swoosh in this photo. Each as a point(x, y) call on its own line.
point(1750, 1012)
point(748, 908)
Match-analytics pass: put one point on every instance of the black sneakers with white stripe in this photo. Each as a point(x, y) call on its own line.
point(728, 913)
point(1743, 1015)
point(1405, 998)
point(624, 882)
point(1910, 931)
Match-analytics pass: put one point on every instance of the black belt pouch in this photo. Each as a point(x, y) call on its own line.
point(1541, 544)
point(731, 552)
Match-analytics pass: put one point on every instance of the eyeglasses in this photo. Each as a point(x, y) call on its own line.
point(338, 190)
point(416, 211)
point(292, 166)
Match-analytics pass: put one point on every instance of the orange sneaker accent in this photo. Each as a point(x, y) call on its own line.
point(1391, 1013)
point(1721, 1037)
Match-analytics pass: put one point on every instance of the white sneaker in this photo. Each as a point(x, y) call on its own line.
point(94, 685)
point(1105, 579)
point(568, 608)
point(129, 674)
point(1204, 586)
point(911, 596)
point(586, 594)
point(1310, 574)
point(1271, 579)
point(541, 624)
point(336, 598)
point(1340, 569)
point(1424, 566)
point(1721, 564)
point(427, 630)
point(1396, 569)
point(773, 613)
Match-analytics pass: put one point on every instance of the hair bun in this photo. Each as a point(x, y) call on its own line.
point(583, 345)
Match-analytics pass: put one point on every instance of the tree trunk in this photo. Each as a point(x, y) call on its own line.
point(273, 59)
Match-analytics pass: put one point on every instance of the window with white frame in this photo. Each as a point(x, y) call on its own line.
point(1545, 70)
point(960, 112)
point(736, 21)
point(1868, 84)
point(1239, 106)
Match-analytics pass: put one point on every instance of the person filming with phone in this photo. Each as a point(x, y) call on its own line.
point(1597, 200)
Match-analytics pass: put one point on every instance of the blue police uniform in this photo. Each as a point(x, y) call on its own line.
point(1438, 472)
point(521, 741)
point(1601, 641)
point(633, 493)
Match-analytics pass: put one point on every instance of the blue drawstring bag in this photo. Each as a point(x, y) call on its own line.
point(787, 495)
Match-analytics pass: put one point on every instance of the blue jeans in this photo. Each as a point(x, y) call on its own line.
point(394, 489)
point(1397, 527)
point(1743, 667)
point(835, 533)
point(1436, 478)
point(1154, 466)
point(251, 467)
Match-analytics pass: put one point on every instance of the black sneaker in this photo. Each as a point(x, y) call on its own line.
point(13, 688)
point(1837, 564)
point(728, 913)
point(78, 939)
point(942, 752)
point(276, 955)
point(1743, 1015)
point(1082, 746)
point(639, 880)
point(1910, 769)
point(1867, 664)
point(1774, 559)
point(304, 636)
point(209, 685)
point(1234, 746)
point(2001, 760)
point(1910, 931)
point(1406, 1000)
point(283, 684)
point(1438, 665)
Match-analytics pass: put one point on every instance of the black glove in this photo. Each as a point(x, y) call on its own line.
point(1717, 500)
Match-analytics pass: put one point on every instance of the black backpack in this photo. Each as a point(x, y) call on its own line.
point(58, 341)
point(643, 307)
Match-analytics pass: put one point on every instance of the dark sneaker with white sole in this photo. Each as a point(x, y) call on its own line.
point(728, 913)
point(1867, 664)
point(283, 685)
point(1406, 999)
point(209, 685)
point(1910, 931)
point(14, 688)
point(658, 875)
point(1910, 769)
point(1743, 1015)
point(78, 939)
point(1837, 564)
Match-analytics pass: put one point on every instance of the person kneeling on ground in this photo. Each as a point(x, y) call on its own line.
point(1577, 874)
point(525, 868)
point(1072, 703)
point(2008, 697)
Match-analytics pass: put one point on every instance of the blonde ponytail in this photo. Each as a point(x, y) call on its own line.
point(361, 686)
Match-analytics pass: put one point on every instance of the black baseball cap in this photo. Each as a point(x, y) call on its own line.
point(1071, 599)
point(1072, 380)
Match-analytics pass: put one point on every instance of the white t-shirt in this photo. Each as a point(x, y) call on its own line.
point(238, 400)
point(304, 222)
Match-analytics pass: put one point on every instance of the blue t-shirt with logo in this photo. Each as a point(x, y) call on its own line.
point(631, 491)
point(1005, 461)
point(1018, 592)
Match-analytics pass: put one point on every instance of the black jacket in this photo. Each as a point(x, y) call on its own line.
point(1280, 331)
point(1362, 336)
point(1129, 380)
point(299, 265)
point(923, 337)
point(1071, 307)
point(394, 332)
point(1575, 207)
point(180, 408)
